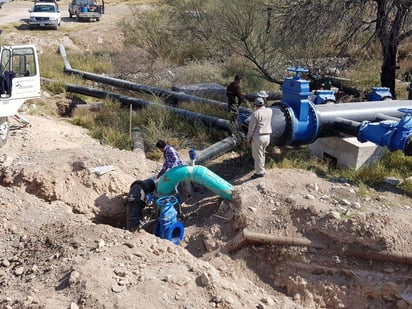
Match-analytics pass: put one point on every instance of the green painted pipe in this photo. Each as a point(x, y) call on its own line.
point(196, 173)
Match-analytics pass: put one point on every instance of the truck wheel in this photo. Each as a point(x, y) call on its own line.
point(4, 130)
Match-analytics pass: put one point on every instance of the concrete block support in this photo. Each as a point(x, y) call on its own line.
point(346, 151)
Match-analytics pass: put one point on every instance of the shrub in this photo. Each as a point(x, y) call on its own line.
point(84, 118)
point(55, 87)
point(98, 62)
point(157, 32)
point(156, 123)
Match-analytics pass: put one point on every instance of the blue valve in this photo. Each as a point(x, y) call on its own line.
point(167, 226)
point(149, 199)
point(389, 133)
point(193, 156)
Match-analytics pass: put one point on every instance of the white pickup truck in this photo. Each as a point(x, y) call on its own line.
point(45, 14)
point(19, 81)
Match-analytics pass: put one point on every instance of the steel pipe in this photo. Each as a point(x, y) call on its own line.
point(295, 120)
point(207, 154)
point(359, 111)
point(381, 117)
point(346, 117)
point(216, 149)
point(169, 96)
point(346, 126)
point(136, 103)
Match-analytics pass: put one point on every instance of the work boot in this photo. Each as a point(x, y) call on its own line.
point(255, 176)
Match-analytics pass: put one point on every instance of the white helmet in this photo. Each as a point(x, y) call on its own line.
point(262, 94)
point(259, 101)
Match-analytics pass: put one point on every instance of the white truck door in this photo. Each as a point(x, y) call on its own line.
point(19, 77)
point(26, 74)
point(19, 81)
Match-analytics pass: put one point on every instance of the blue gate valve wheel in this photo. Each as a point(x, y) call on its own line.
point(165, 200)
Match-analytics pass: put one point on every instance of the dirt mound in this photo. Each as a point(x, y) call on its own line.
point(62, 168)
point(53, 255)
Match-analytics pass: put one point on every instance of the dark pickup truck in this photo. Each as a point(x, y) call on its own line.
point(86, 9)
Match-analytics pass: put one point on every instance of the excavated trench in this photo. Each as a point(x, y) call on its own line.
point(314, 276)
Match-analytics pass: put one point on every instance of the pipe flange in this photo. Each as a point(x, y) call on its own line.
point(287, 138)
point(408, 146)
point(315, 126)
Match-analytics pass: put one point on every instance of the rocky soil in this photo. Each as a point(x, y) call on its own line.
point(289, 240)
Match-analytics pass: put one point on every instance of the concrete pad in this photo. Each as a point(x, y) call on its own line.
point(347, 151)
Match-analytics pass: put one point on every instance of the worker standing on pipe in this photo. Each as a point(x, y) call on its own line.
point(234, 99)
point(258, 135)
point(171, 157)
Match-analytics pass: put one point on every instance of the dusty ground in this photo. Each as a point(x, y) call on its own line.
point(63, 242)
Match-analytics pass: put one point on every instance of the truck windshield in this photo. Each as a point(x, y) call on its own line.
point(23, 62)
point(20, 61)
point(44, 8)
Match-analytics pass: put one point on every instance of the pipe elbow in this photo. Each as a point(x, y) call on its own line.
point(172, 177)
point(198, 174)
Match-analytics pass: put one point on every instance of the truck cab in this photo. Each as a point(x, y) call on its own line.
point(19, 81)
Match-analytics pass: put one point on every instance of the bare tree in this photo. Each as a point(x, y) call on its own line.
point(359, 23)
point(251, 32)
point(242, 28)
point(268, 33)
point(271, 36)
point(392, 23)
point(274, 34)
